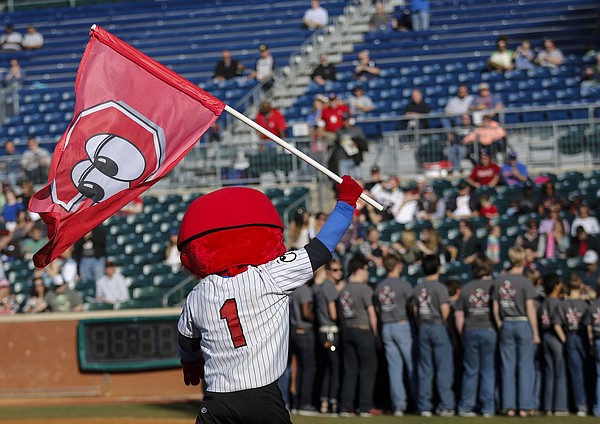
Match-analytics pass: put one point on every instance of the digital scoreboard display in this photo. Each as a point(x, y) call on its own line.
point(128, 344)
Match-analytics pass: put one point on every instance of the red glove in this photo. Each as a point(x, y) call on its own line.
point(348, 191)
point(193, 373)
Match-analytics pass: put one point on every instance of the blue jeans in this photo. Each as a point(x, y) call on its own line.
point(478, 361)
point(456, 153)
point(398, 343)
point(435, 353)
point(91, 269)
point(349, 167)
point(577, 357)
point(555, 382)
point(516, 354)
point(420, 20)
point(597, 358)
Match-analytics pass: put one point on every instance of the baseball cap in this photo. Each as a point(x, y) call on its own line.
point(512, 155)
point(346, 115)
point(420, 178)
point(590, 257)
point(263, 47)
point(462, 184)
point(4, 283)
point(109, 263)
point(374, 169)
point(484, 86)
point(427, 189)
point(484, 151)
point(332, 96)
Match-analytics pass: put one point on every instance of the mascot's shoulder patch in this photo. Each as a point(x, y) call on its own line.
point(288, 257)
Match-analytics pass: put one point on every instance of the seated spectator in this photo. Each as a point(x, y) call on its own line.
point(551, 56)
point(299, 229)
point(464, 204)
point(36, 302)
point(380, 19)
point(324, 71)
point(456, 149)
point(375, 177)
point(457, 107)
point(359, 102)
point(34, 243)
point(271, 119)
point(11, 40)
point(68, 268)
point(513, 173)
point(22, 228)
point(372, 247)
point(430, 243)
point(365, 68)
point(588, 222)
point(407, 248)
point(591, 74)
point(403, 23)
point(592, 271)
point(332, 115)
point(10, 163)
point(554, 243)
point(486, 102)
point(36, 162)
point(489, 135)
point(227, 68)
point(501, 59)
point(387, 192)
point(487, 208)
point(32, 40)
point(466, 247)
point(405, 210)
point(350, 144)
point(15, 75)
point(264, 71)
point(172, 256)
point(548, 198)
point(135, 207)
point(11, 209)
point(547, 224)
point(63, 298)
point(525, 201)
point(8, 301)
point(530, 239)
point(430, 207)
point(417, 108)
point(486, 173)
point(112, 287)
point(316, 16)
point(524, 56)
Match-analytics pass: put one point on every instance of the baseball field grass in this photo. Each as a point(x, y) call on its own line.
point(180, 413)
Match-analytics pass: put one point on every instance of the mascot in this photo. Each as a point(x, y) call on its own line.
point(234, 327)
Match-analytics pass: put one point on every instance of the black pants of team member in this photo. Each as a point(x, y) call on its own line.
point(262, 405)
point(360, 364)
point(330, 383)
point(303, 346)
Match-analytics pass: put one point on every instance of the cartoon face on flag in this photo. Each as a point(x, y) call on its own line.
point(114, 148)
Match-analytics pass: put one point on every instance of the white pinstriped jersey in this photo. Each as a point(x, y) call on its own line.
point(243, 322)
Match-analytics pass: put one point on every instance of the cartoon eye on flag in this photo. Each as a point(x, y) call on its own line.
point(134, 120)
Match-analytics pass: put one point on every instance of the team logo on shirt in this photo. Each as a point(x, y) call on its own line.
point(479, 298)
point(546, 321)
point(573, 318)
point(386, 296)
point(424, 299)
point(288, 257)
point(347, 304)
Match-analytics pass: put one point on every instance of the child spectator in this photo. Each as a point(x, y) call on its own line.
point(487, 209)
point(524, 56)
point(492, 250)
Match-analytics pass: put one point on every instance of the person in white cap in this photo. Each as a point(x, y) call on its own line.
point(591, 273)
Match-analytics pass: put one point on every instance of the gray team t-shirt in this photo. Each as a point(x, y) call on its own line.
point(594, 317)
point(475, 301)
point(302, 294)
point(548, 312)
point(572, 314)
point(511, 291)
point(353, 302)
point(392, 296)
point(326, 294)
point(429, 296)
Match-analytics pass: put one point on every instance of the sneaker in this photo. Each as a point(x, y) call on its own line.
point(470, 414)
point(398, 413)
point(345, 414)
point(561, 413)
point(487, 415)
point(365, 414)
point(445, 413)
point(308, 411)
point(582, 413)
point(426, 414)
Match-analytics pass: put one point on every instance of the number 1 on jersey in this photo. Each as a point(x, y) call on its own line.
point(229, 313)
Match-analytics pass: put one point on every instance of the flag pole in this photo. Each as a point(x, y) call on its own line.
point(296, 152)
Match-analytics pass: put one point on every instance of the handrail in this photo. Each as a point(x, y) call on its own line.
point(176, 289)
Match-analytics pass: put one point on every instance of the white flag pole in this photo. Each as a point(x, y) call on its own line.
point(296, 152)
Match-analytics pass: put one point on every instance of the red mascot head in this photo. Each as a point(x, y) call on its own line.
point(225, 231)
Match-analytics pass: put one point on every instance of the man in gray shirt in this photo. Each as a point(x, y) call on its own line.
point(431, 310)
point(393, 295)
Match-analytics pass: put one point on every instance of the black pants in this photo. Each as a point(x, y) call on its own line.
point(360, 367)
point(330, 364)
point(303, 346)
point(262, 405)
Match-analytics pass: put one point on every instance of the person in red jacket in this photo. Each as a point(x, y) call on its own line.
point(332, 116)
point(270, 119)
point(486, 173)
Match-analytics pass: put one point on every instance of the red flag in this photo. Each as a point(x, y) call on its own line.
point(134, 120)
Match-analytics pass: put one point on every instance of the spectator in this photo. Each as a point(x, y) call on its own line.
point(431, 311)
point(375, 177)
point(393, 297)
point(359, 326)
point(227, 68)
point(11, 164)
point(11, 209)
point(513, 172)
point(388, 192)
point(324, 72)
point(525, 201)
point(516, 319)
point(486, 102)
point(68, 268)
point(591, 272)
point(486, 173)
point(551, 56)
point(135, 207)
point(271, 119)
point(581, 243)
point(36, 162)
point(172, 257)
point(591, 74)
point(332, 117)
point(350, 144)
point(365, 68)
point(464, 204)
point(62, 298)
point(36, 302)
point(430, 243)
point(474, 322)
point(315, 17)
point(549, 198)
point(419, 14)
point(90, 254)
point(555, 377)
point(405, 209)
point(530, 239)
point(359, 102)
point(8, 301)
point(524, 56)
point(112, 287)
point(456, 149)
point(487, 209)
point(588, 222)
point(329, 337)
point(380, 19)
point(34, 243)
point(407, 248)
point(457, 107)
point(15, 75)
point(489, 135)
point(501, 59)
point(417, 108)
point(299, 231)
point(555, 242)
point(466, 247)
point(570, 323)
point(492, 250)
point(264, 71)
point(430, 207)
point(32, 40)
point(11, 40)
